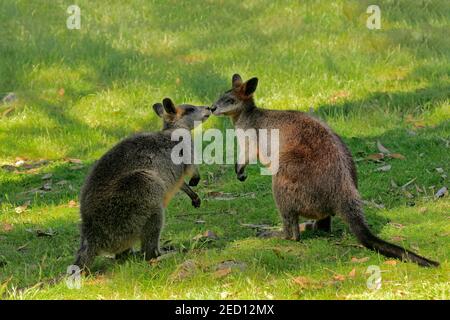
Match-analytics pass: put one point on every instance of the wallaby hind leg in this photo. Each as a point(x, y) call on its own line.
point(85, 255)
point(290, 225)
point(151, 234)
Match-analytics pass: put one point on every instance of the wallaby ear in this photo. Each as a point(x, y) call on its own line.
point(236, 80)
point(250, 86)
point(169, 106)
point(159, 109)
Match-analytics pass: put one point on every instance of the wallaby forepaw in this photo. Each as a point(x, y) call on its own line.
point(241, 177)
point(196, 202)
point(194, 181)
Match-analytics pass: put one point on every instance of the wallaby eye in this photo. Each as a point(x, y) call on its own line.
point(189, 109)
point(229, 100)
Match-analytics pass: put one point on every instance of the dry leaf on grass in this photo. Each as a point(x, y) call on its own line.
point(373, 204)
point(375, 156)
point(391, 262)
point(43, 233)
point(396, 225)
point(78, 167)
point(231, 264)
point(352, 273)
point(7, 227)
point(8, 168)
point(278, 253)
point(75, 161)
point(226, 196)
point(23, 207)
point(397, 156)
point(73, 204)
point(303, 282)
point(339, 277)
point(221, 273)
point(184, 270)
point(338, 95)
point(306, 283)
point(23, 247)
point(47, 187)
point(206, 236)
point(257, 226)
point(383, 168)
point(398, 238)
point(359, 260)
point(47, 176)
point(422, 210)
point(382, 148)
point(9, 98)
point(441, 192)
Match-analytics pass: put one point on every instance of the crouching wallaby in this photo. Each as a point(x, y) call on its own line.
point(124, 196)
point(316, 177)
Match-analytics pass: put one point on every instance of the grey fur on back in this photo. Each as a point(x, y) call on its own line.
point(123, 198)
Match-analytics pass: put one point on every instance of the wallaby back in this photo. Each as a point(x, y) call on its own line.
point(316, 178)
point(125, 193)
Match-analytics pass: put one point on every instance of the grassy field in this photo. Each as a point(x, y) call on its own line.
point(78, 92)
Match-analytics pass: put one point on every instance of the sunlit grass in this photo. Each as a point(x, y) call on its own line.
point(81, 91)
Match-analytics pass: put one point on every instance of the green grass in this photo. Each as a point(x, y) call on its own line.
point(390, 85)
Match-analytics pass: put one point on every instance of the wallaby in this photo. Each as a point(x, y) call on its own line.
point(316, 177)
point(123, 198)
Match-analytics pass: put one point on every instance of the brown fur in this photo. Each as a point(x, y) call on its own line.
point(124, 196)
point(317, 176)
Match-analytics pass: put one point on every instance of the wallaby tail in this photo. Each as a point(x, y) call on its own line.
point(85, 255)
point(353, 214)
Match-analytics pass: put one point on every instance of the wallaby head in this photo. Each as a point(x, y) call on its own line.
point(237, 99)
point(182, 116)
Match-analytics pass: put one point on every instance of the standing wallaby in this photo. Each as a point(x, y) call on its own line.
point(124, 196)
point(316, 177)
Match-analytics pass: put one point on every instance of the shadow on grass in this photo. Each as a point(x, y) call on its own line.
point(65, 243)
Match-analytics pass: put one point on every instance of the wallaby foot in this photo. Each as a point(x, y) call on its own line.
point(196, 202)
point(85, 256)
point(194, 197)
point(241, 176)
point(151, 235)
point(151, 253)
